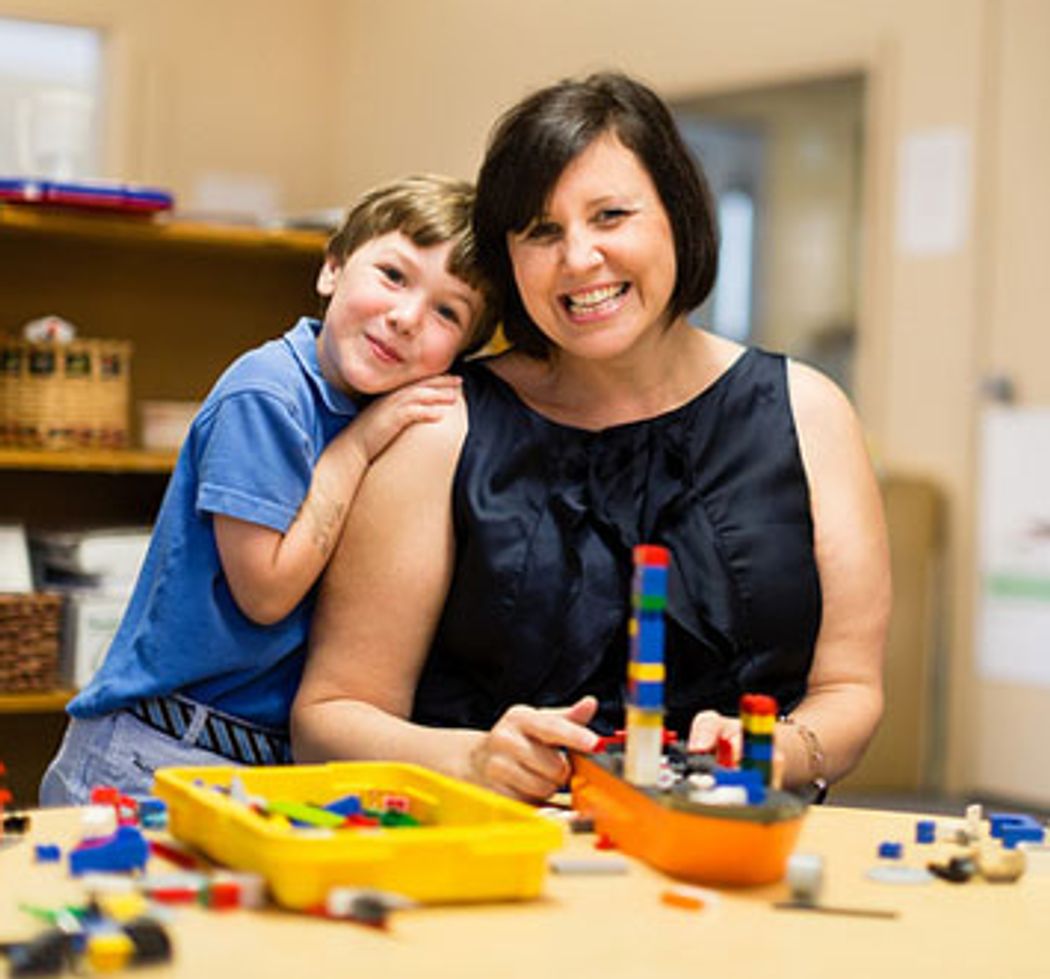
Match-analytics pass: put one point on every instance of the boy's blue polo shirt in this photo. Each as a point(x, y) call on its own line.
point(250, 454)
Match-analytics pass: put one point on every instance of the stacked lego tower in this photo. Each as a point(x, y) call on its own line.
point(758, 719)
point(645, 672)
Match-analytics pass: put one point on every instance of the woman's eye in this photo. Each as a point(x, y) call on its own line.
point(541, 231)
point(610, 215)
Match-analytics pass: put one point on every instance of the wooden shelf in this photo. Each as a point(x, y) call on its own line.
point(164, 230)
point(43, 702)
point(87, 460)
point(191, 297)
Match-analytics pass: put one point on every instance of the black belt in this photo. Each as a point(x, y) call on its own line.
point(238, 740)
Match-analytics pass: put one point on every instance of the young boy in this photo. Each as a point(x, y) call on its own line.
point(208, 656)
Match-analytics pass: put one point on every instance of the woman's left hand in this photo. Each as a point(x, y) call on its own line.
point(709, 727)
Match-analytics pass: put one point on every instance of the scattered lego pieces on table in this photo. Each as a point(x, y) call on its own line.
point(588, 866)
point(688, 898)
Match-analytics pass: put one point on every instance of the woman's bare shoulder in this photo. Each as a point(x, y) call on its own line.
point(811, 388)
point(423, 451)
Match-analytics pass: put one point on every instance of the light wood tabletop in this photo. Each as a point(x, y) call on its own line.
point(612, 927)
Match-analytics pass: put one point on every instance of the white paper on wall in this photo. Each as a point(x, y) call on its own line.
point(1013, 620)
point(934, 188)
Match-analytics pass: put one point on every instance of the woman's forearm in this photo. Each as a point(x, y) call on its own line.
point(831, 729)
point(351, 730)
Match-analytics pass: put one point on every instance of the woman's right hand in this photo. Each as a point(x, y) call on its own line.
point(523, 756)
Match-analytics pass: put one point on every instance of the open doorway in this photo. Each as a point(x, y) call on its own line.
point(785, 165)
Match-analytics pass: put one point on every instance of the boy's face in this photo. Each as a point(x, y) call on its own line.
point(395, 315)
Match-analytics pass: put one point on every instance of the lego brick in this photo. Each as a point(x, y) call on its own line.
point(652, 555)
point(758, 750)
point(649, 581)
point(639, 717)
point(925, 831)
point(1013, 828)
point(758, 703)
point(758, 723)
point(646, 696)
point(751, 780)
point(646, 672)
point(647, 644)
point(648, 603)
point(125, 850)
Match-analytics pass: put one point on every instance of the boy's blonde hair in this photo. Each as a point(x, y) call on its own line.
point(429, 210)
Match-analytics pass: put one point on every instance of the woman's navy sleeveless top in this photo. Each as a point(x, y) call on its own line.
point(545, 519)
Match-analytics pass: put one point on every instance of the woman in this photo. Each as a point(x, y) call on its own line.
point(503, 576)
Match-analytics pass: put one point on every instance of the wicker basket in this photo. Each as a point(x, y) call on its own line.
point(64, 395)
point(30, 628)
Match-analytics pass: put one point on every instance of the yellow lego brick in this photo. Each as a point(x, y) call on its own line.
point(646, 672)
point(636, 717)
point(109, 951)
point(759, 723)
point(123, 907)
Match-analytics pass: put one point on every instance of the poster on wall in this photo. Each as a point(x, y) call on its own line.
point(1013, 620)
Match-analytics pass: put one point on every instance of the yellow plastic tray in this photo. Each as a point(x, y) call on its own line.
point(474, 845)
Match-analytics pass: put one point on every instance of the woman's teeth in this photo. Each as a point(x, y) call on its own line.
point(592, 299)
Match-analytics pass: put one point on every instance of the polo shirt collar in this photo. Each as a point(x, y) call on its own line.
point(302, 338)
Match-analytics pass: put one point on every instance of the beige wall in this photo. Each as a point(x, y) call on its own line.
point(328, 97)
point(1014, 300)
point(231, 87)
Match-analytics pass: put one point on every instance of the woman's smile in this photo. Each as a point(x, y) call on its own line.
point(595, 302)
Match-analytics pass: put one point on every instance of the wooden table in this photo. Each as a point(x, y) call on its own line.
point(613, 926)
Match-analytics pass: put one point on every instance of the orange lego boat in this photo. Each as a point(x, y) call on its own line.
point(684, 829)
point(737, 844)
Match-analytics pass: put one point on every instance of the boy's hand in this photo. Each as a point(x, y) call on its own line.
point(387, 417)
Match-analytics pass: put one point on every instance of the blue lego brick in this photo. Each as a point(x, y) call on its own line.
point(348, 805)
point(649, 580)
point(47, 853)
point(925, 831)
point(750, 778)
point(153, 813)
point(125, 850)
point(647, 646)
point(758, 750)
point(1013, 828)
point(891, 850)
point(649, 695)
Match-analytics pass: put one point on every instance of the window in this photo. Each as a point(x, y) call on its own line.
point(50, 100)
point(731, 314)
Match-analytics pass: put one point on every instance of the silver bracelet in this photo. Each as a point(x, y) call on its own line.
point(815, 758)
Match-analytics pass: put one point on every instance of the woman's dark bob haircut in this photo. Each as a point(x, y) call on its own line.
point(536, 140)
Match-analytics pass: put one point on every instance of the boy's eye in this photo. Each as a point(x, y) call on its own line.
point(392, 273)
point(449, 314)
